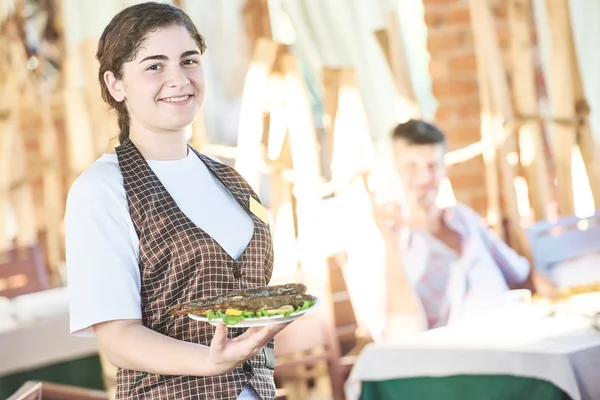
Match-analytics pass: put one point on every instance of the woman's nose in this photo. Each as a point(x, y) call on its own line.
point(177, 78)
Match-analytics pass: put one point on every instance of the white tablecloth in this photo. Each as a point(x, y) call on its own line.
point(41, 342)
point(562, 350)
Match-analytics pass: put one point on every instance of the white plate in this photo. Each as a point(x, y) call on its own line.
point(262, 321)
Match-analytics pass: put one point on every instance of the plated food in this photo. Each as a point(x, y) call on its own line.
point(251, 307)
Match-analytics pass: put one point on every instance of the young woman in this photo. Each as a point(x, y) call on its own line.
point(157, 223)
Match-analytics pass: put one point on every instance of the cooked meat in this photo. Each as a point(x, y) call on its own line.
point(246, 296)
point(253, 304)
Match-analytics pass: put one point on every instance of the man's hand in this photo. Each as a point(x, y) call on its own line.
point(226, 354)
point(388, 218)
point(541, 284)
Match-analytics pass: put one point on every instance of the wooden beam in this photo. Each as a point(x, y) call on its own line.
point(391, 44)
point(103, 123)
point(22, 197)
point(255, 14)
point(532, 155)
point(305, 158)
point(488, 137)
point(352, 152)
point(250, 131)
point(501, 113)
point(8, 126)
point(562, 101)
point(585, 139)
point(80, 140)
point(199, 139)
point(53, 204)
point(17, 174)
point(331, 92)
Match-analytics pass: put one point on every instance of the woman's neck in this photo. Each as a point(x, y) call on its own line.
point(160, 146)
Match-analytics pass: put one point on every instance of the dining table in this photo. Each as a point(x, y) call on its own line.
point(37, 346)
point(521, 353)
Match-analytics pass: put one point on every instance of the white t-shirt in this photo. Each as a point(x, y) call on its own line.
point(102, 247)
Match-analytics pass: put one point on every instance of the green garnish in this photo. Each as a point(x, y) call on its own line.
point(231, 320)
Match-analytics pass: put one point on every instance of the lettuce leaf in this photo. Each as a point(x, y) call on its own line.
point(231, 320)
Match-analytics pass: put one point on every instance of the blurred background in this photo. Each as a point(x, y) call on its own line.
point(302, 96)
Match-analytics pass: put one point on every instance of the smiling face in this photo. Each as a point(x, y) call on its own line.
point(163, 87)
point(421, 168)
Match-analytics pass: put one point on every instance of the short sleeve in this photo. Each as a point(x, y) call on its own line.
point(103, 277)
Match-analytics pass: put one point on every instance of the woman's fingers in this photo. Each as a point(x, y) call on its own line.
point(260, 336)
point(249, 332)
point(219, 340)
point(245, 346)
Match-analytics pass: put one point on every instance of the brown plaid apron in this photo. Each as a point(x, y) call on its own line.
point(180, 262)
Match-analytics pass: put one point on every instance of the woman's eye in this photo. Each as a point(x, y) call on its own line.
point(154, 67)
point(190, 62)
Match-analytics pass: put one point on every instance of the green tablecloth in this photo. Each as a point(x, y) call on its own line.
point(85, 372)
point(463, 387)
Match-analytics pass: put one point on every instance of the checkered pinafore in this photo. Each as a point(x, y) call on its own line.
point(179, 262)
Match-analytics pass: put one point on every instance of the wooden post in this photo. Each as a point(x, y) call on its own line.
point(351, 155)
point(199, 138)
point(103, 124)
point(352, 151)
point(250, 132)
point(17, 174)
point(9, 128)
point(307, 173)
point(52, 190)
point(389, 40)
point(331, 91)
point(532, 153)
point(585, 139)
point(562, 99)
point(21, 196)
point(492, 184)
point(80, 133)
point(255, 14)
point(502, 118)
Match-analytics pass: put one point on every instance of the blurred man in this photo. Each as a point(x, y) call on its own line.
point(442, 264)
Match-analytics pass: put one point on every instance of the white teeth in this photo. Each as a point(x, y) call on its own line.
point(176, 99)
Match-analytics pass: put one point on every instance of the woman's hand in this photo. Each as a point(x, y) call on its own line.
point(226, 354)
point(129, 344)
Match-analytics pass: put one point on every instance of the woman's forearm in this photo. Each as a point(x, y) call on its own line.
point(130, 345)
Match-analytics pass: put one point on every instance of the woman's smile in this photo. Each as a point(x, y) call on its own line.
point(178, 101)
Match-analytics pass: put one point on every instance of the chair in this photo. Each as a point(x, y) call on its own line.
point(303, 355)
point(351, 336)
point(566, 248)
point(22, 271)
point(34, 390)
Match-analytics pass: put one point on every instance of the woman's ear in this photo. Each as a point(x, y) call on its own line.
point(115, 86)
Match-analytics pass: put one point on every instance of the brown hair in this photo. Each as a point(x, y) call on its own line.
point(415, 131)
point(123, 36)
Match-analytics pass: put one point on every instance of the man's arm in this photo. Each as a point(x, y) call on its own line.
point(405, 314)
point(516, 269)
point(404, 311)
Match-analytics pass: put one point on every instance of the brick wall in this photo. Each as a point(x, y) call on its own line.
point(453, 69)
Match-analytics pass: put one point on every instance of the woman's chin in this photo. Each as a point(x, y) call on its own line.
point(178, 122)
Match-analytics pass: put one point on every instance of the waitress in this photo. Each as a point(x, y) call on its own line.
point(157, 223)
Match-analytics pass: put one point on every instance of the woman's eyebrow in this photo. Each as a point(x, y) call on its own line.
point(162, 57)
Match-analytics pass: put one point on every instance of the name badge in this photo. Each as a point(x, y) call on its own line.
point(259, 210)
